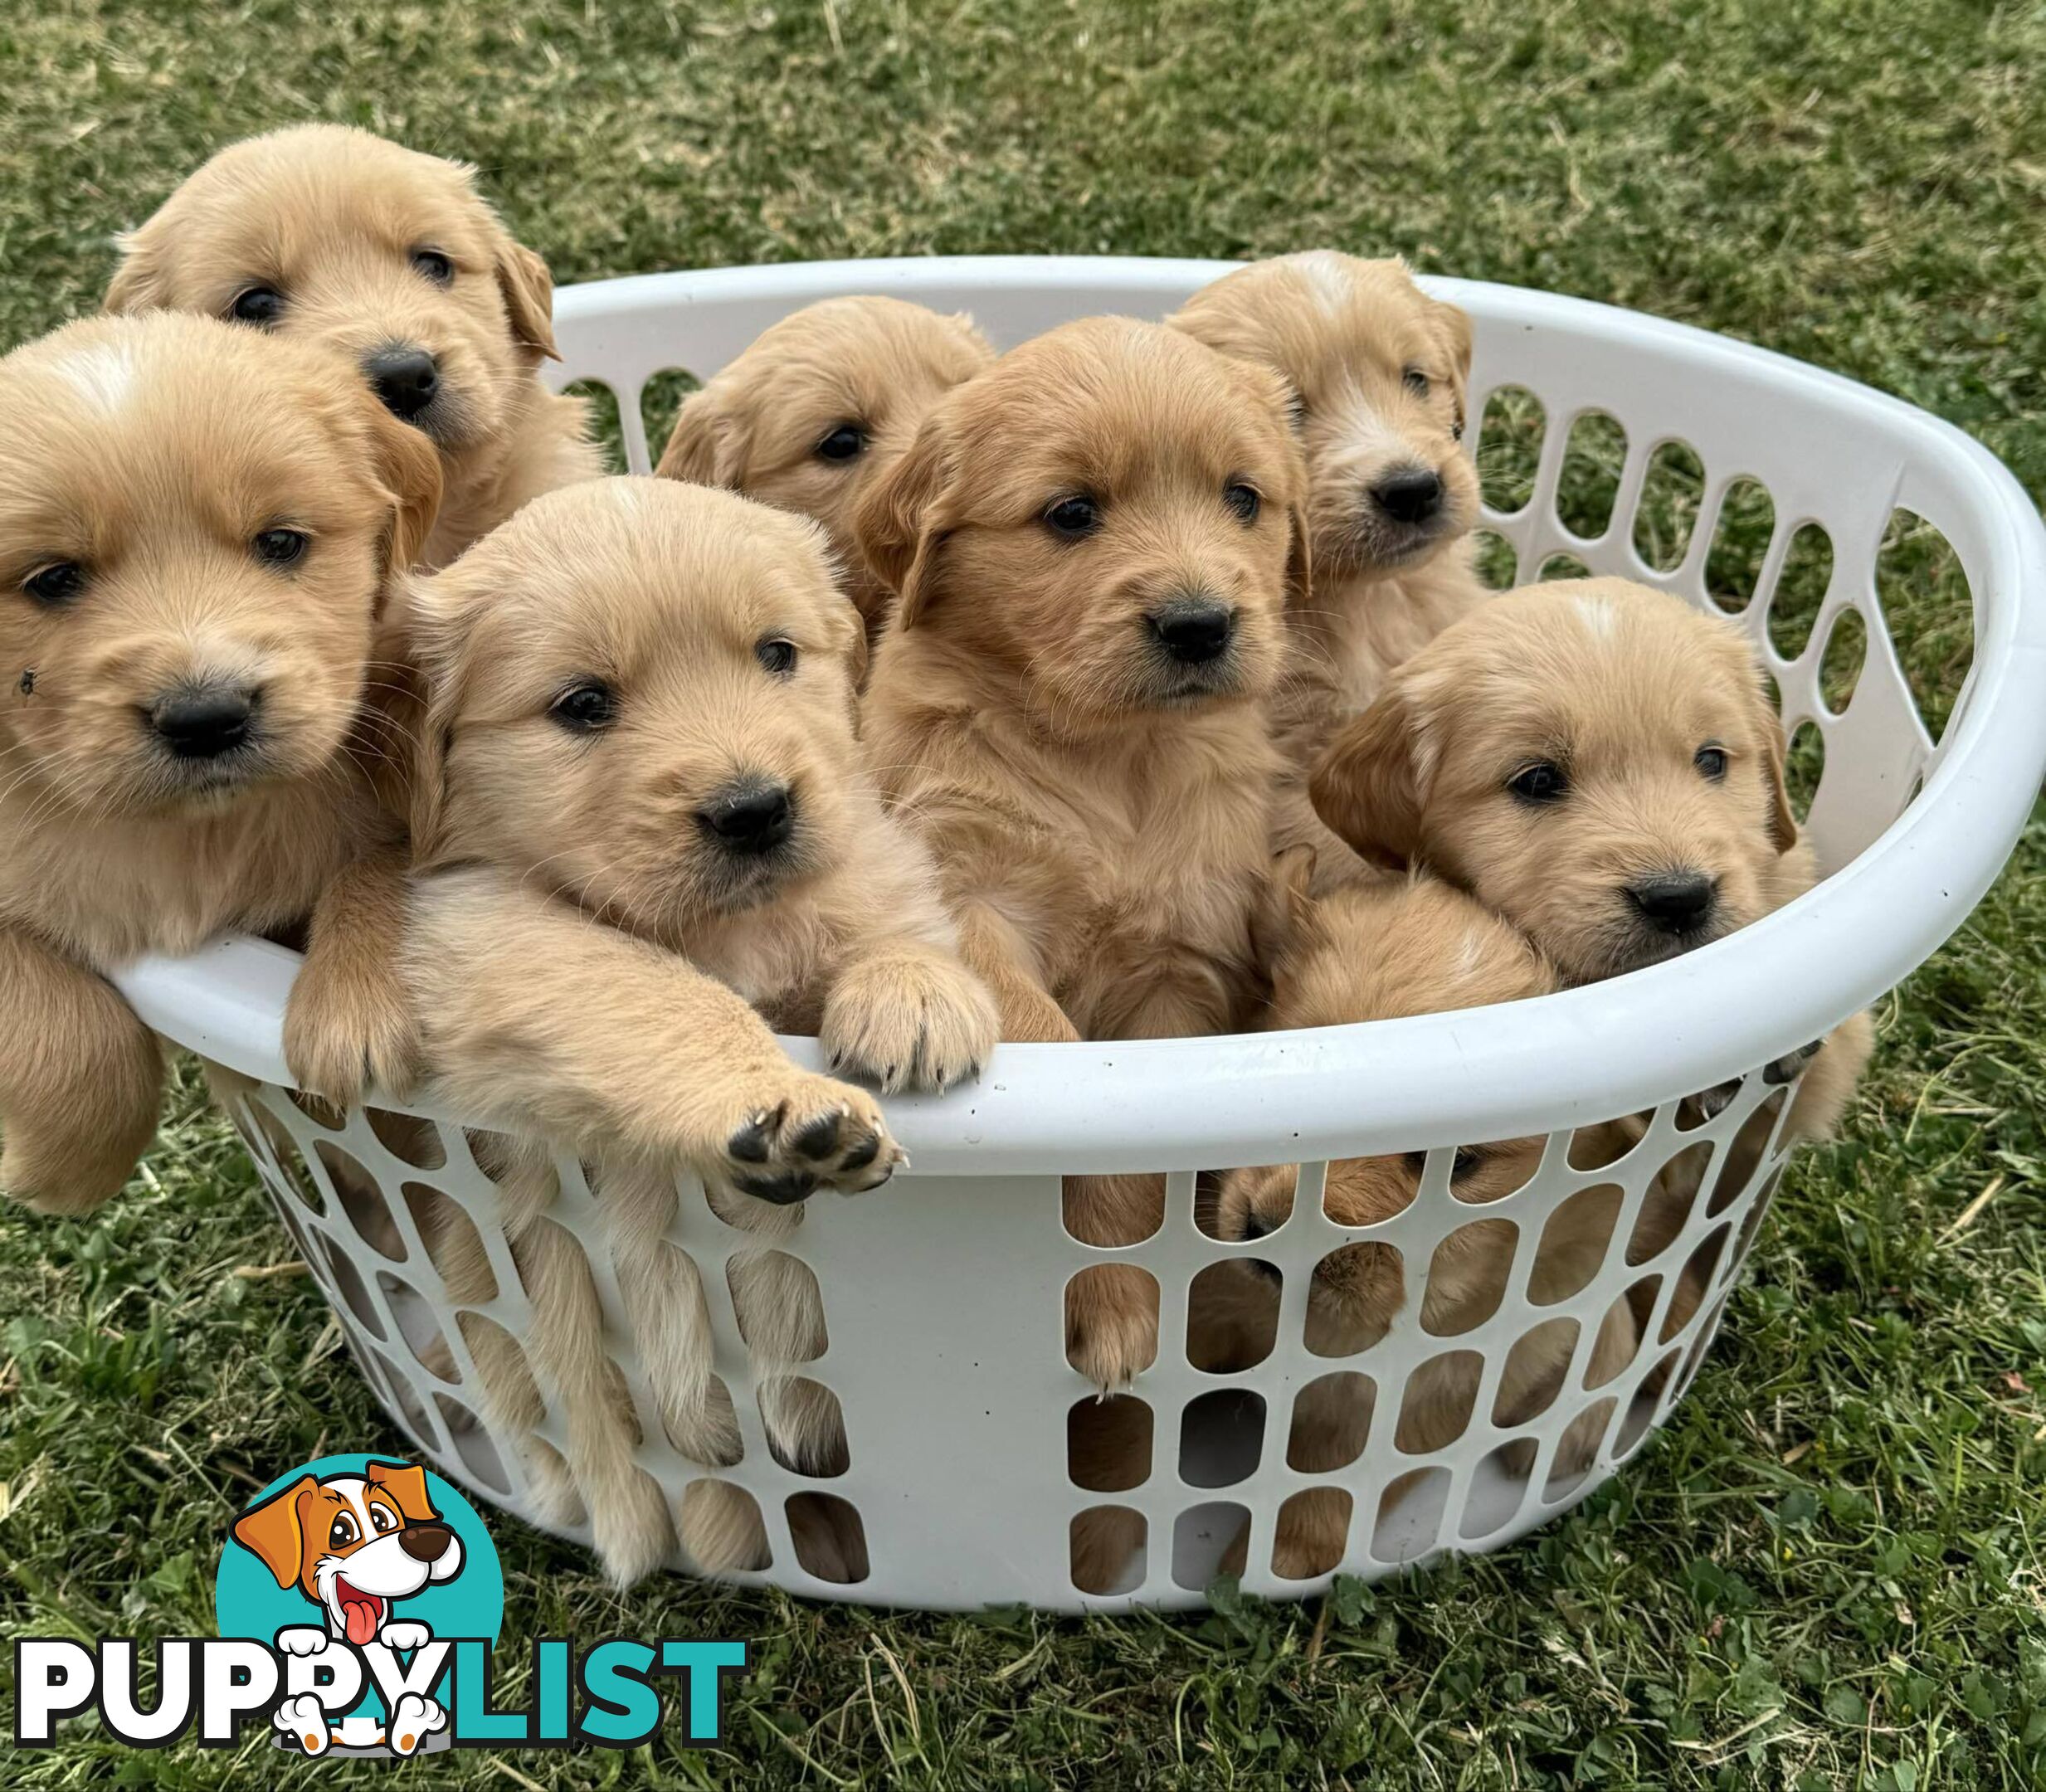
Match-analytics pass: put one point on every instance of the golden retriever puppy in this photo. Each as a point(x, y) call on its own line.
point(1377, 371)
point(819, 407)
point(1092, 545)
point(196, 534)
point(392, 258)
point(1381, 949)
point(648, 841)
point(1599, 763)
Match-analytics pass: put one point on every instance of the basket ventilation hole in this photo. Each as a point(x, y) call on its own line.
point(398, 1387)
point(1641, 1408)
point(1108, 1545)
point(721, 1524)
point(1331, 1419)
point(1435, 1410)
point(454, 1246)
point(604, 428)
point(1667, 1204)
point(1410, 1515)
point(1222, 1436)
point(1200, 1540)
point(1839, 666)
point(1509, 448)
point(661, 402)
point(1481, 1174)
point(1693, 1282)
point(1928, 612)
point(347, 1282)
point(1747, 519)
point(1495, 559)
point(806, 1426)
point(492, 1152)
point(1573, 1244)
point(1803, 767)
point(1800, 590)
point(1498, 1489)
point(317, 1109)
point(1224, 1203)
point(1357, 1290)
point(1745, 1155)
point(1534, 1371)
point(1561, 566)
point(1467, 1277)
point(1113, 1210)
point(1313, 1530)
point(1699, 1344)
point(473, 1445)
point(361, 1201)
point(830, 1541)
point(408, 1137)
point(417, 1326)
point(1597, 1147)
point(1590, 481)
point(780, 1290)
point(1752, 1225)
point(1666, 511)
point(277, 1158)
point(1108, 1443)
point(1579, 1449)
point(1107, 1299)
point(1232, 1315)
point(1640, 1302)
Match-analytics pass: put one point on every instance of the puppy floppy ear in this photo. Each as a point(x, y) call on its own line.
point(406, 1482)
point(528, 291)
point(1299, 558)
point(142, 281)
point(1285, 918)
point(902, 524)
point(435, 616)
point(408, 467)
point(271, 1531)
point(1782, 821)
point(1367, 788)
point(1453, 325)
point(708, 444)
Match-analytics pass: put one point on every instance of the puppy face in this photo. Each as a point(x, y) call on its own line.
point(1113, 513)
point(640, 694)
point(1594, 760)
point(1378, 371)
point(195, 531)
point(821, 406)
point(1380, 952)
point(333, 235)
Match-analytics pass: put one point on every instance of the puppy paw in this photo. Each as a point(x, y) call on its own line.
point(345, 1032)
point(399, 1634)
point(412, 1721)
point(812, 1132)
point(302, 1639)
point(303, 1719)
point(57, 1191)
point(1031, 1016)
point(913, 1021)
point(1112, 1324)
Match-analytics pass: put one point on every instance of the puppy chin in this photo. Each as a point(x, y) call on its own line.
point(452, 423)
point(734, 886)
point(1370, 545)
point(1631, 948)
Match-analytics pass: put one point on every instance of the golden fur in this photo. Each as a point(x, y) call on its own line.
point(330, 218)
point(592, 969)
point(152, 455)
point(1096, 808)
point(760, 426)
point(1378, 371)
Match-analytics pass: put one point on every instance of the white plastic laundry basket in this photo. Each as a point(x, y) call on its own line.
point(943, 1293)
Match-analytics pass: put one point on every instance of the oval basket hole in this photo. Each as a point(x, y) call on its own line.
point(473, 1445)
point(1222, 1436)
point(1733, 564)
point(1579, 1450)
point(1331, 1422)
point(1803, 767)
point(1561, 566)
point(1108, 1443)
point(1202, 1536)
point(1241, 1204)
point(1481, 1174)
point(1839, 666)
point(1693, 1283)
point(661, 402)
point(722, 1530)
point(1410, 1515)
point(830, 1541)
point(417, 1326)
point(1800, 590)
point(1467, 1277)
point(1671, 491)
point(1112, 1319)
point(1494, 558)
point(806, 1426)
point(1573, 1244)
point(1667, 1204)
point(1509, 448)
point(1312, 1531)
point(408, 1137)
point(1592, 458)
point(1436, 1408)
point(604, 427)
point(1232, 1315)
point(774, 1296)
point(1108, 1546)
point(1929, 613)
point(361, 1201)
point(1357, 1290)
point(1598, 1147)
point(1112, 1210)
point(1533, 1375)
point(453, 1244)
point(1745, 1155)
point(1641, 1408)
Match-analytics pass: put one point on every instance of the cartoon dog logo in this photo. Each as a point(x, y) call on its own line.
point(353, 1546)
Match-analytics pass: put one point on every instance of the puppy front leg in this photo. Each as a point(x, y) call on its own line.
point(995, 949)
point(81, 1079)
point(535, 1016)
point(349, 1024)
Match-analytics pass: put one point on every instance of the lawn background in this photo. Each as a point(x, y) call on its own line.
point(1828, 1571)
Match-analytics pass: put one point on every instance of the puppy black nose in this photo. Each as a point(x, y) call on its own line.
point(405, 378)
point(1194, 630)
point(425, 1543)
point(1413, 495)
point(204, 724)
point(753, 815)
point(1675, 903)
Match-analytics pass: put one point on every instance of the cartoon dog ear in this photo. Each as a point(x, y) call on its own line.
point(528, 287)
point(708, 443)
point(406, 1482)
point(408, 468)
point(902, 524)
point(142, 281)
point(271, 1531)
point(1368, 787)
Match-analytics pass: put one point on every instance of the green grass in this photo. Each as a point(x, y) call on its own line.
point(1828, 1572)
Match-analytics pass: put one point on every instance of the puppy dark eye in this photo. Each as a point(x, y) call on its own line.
point(1541, 783)
point(260, 306)
point(1074, 517)
point(584, 708)
point(776, 654)
point(281, 547)
point(1415, 382)
point(1712, 761)
point(56, 585)
point(435, 266)
point(1467, 1159)
point(342, 1532)
point(1244, 500)
point(842, 442)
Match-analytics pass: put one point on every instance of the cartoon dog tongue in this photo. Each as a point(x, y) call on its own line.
point(359, 1611)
